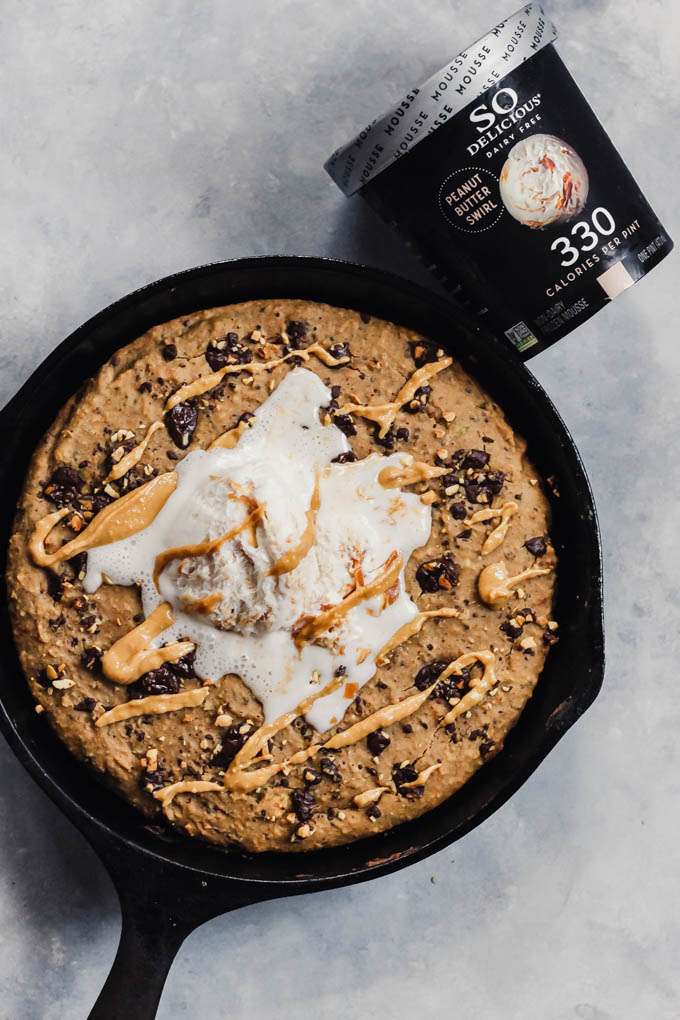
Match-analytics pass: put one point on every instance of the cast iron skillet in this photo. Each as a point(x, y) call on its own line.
point(169, 885)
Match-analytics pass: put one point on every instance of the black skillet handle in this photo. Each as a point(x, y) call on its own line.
point(161, 904)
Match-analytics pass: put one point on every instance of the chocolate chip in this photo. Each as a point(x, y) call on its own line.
point(303, 803)
point(458, 511)
point(311, 777)
point(90, 658)
point(297, 330)
point(336, 391)
point(420, 400)
point(55, 585)
point(511, 630)
point(56, 622)
point(454, 686)
point(423, 352)
point(436, 574)
point(340, 350)
point(158, 681)
point(227, 351)
point(406, 774)
point(373, 811)
point(345, 458)
point(232, 741)
point(330, 770)
point(486, 747)
point(550, 638)
point(536, 546)
point(63, 486)
point(246, 416)
point(86, 705)
point(476, 459)
point(386, 441)
point(169, 352)
point(378, 741)
point(145, 387)
point(78, 565)
point(495, 481)
point(181, 423)
point(345, 424)
point(464, 534)
point(403, 434)
point(151, 781)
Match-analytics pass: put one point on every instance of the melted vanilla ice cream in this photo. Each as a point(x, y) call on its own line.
point(543, 181)
point(244, 613)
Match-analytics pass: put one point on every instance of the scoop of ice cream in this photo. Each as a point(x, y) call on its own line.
point(258, 539)
point(543, 181)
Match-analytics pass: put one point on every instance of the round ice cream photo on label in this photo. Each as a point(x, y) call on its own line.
point(543, 181)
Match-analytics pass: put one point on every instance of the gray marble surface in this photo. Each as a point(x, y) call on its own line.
point(139, 139)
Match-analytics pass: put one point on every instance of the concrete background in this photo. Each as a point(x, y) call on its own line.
point(142, 138)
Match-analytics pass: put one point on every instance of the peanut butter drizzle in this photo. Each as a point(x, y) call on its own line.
point(134, 455)
point(181, 552)
point(409, 630)
point(126, 516)
point(384, 414)
point(155, 704)
point(228, 440)
point(495, 586)
point(203, 605)
point(208, 382)
point(130, 657)
point(317, 625)
point(367, 797)
point(168, 793)
point(290, 559)
point(409, 474)
point(498, 535)
point(238, 780)
point(478, 685)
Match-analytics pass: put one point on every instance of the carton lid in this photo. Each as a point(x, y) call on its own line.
point(422, 110)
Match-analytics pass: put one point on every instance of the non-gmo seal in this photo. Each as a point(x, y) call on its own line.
point(470, 199)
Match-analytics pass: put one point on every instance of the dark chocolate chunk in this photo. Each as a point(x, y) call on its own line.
point(403, 434)
point(169, 352)
point(297, 330)
point(423, 352)
point(457, 511)
point(406, 774)
point(373, 811)
point(494, 481)
point(536, 546)
point(90, 658)
point(181, 423)
point(454, 686)
point(227, 351)
point(330, 770)
point(311, 776)
point(303, 803)
point(86, 705)
point(345, 458)
point(246, 416)
point(63, 486)
point(386, 441)
point(486, 747)
point(339, 350)
point(464, 534)
point(345, 424)
point(232, 741)
point(151, 781)
point(420, 400)
point(78, 565)
point(55, 585)
point(336, 391)
point(378, 741)
point(438, 574)
point(56, 622)
point(476, 459)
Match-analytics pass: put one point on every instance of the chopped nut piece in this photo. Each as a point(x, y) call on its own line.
point(428, 498)
point(223, 719)
point(304, 831)
point(51, 673)
point(527, 642)
point(449, 416)
point(63, 684)
point(39, 709)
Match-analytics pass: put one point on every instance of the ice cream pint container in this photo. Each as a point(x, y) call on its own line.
point(501, 176)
